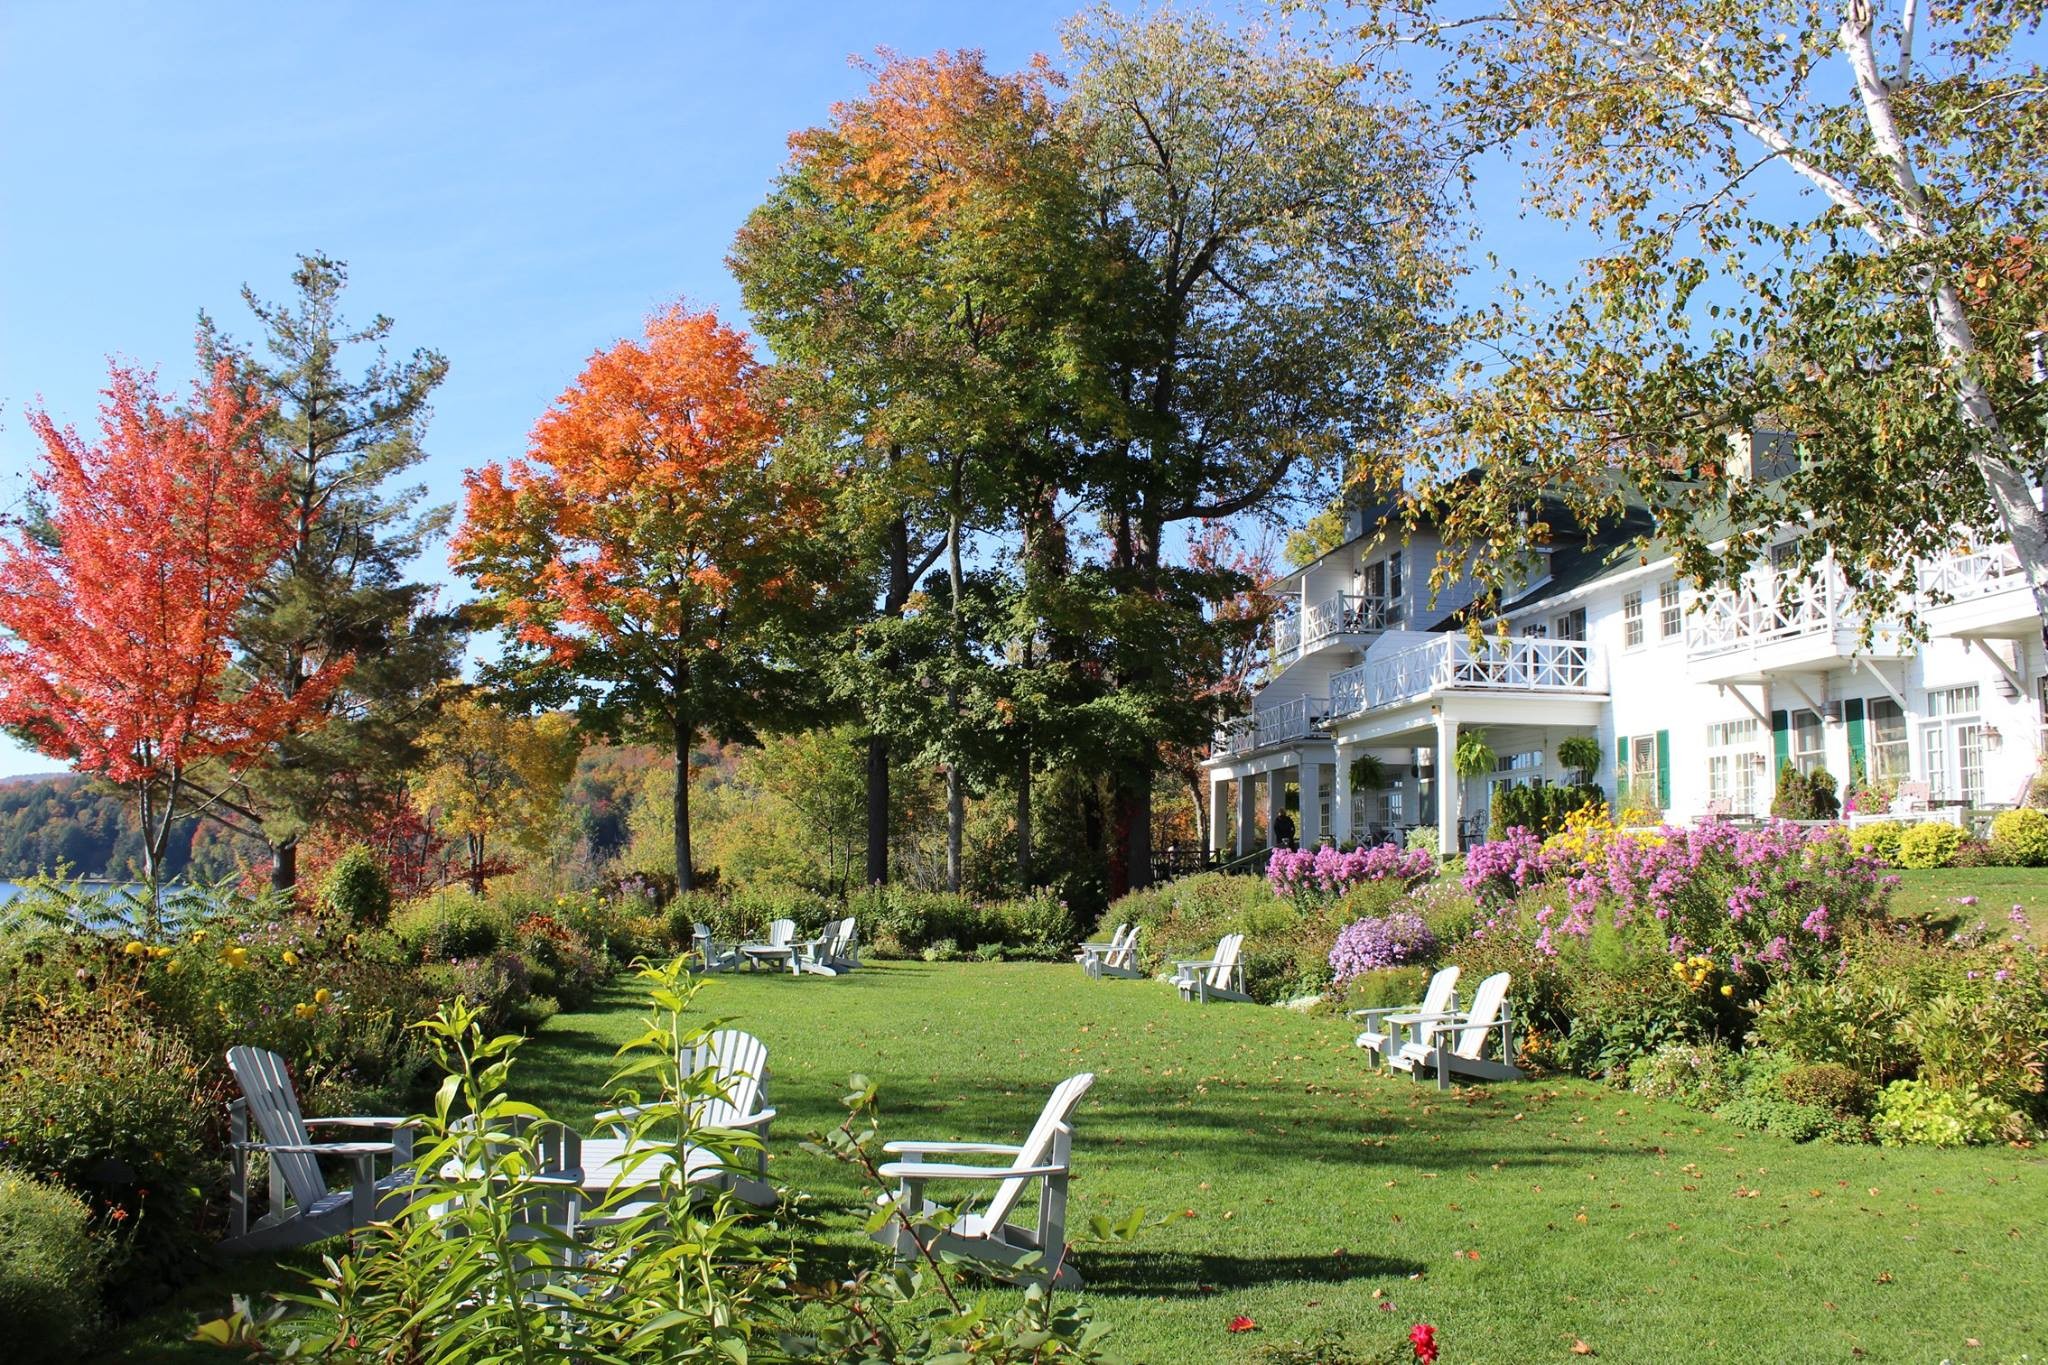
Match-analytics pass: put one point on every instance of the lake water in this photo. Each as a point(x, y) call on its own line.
point(9, 890)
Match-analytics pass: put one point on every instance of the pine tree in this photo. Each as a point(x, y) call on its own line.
point(342, 588)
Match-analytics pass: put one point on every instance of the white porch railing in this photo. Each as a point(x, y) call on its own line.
point(1980, 573)
point(1454, 664)
point(1345, 614)
point(1763, 611)
point(1281, 723)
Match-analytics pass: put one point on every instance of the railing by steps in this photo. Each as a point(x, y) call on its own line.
point(1454, 663)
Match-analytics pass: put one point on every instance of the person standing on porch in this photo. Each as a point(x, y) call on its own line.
point(1283, 830)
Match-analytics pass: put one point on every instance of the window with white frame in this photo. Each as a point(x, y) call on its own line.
point(1394, 585)
point(1806, 744)
point(1642, 772)
point(1670, 619)
point(1891, 756)
point(1952, 745)
point(1735, 764)
point(1570, 626)
point(1632, 620)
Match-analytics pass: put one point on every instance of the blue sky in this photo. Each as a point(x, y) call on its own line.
point(516, 184)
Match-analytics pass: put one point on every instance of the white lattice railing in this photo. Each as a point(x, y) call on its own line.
point(1281, 723)
point(1979, 573)
point(1764, 610)
point(1344, 614)
point(1453, 663)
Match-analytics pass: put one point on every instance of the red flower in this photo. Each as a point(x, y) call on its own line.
point(1241, 1323)
point(1422, 1337)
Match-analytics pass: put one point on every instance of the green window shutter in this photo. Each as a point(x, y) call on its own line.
point(1781, 738)
point(1620, 772)
point(1859, 757)
point(1663, 770)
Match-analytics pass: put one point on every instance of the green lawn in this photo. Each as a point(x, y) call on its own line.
point(1306, 1191)
point(1939, 893)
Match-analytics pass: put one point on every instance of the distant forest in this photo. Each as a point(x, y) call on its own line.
point(90, 828)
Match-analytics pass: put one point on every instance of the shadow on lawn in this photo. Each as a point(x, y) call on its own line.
point(1190, 1275)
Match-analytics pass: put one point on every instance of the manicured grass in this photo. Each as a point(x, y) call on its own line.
point(1937, 893)
point(1306, 1192)
point(1320, 1191)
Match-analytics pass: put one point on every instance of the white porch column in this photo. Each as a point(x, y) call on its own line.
point(1311, 821)
point(1245, 815)
point(1450, 792)
point(1219, 812)
point(1340, 799)
point(1276, 803)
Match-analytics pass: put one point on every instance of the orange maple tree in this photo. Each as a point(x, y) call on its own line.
point(648, 555)
point(119, 609)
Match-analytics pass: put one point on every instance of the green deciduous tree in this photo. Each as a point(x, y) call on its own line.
point(1286, 218)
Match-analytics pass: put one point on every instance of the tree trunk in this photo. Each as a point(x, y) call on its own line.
point(956, 791)
point(1024, 821)
point(284, 863)
point(476, 864)
point(686, 872)
point(895, 593)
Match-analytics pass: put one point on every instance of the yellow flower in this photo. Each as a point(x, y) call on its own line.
point(159, 951)
point(235, 956)
point(305, 1011)
point(173, 967)
point(322, 996)
point(291, 959)
point(134, 948)
point(1727, 990)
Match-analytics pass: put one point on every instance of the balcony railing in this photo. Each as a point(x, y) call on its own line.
point(1281, 723)
point(1453, 663)
point(1980, 573)
point(1345, 614)
point(1765, 610)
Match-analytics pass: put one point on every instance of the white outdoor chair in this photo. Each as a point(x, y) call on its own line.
point(1012, 1251)
point(548, 1200)
point(715, 958)
point(302, 1207)
point(831, 953)
point(1119, 959)
point(778, 952)
point(1455, 1042)
point(1220, 977)
point(1387, 1029)
point(624, 1167)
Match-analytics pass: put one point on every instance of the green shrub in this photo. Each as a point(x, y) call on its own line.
point(1424, 836)
point(1931, 843)
point(1385, 987)
point(1916, 1113)
point(115, 1110)
point(1779, 1117)
point(356, 891)
point(2019, 838)
point(1879, 839)
point(51, 1269)
point(451, 926)
point(1828, 1086)
point(1696, 1074)
point(1041, 920)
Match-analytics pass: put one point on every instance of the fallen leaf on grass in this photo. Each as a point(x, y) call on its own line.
point(1241, 1323)
point(1580, 1348)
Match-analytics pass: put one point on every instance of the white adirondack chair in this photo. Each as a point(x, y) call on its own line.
point(1012, 1251)
point(619, 1164)
point(1119, 956)
point(778, 952)
point(716, 959)
point(1217, 978)
point(1455, 1042)
point(550, 1201)
point(830, 953)
point(1386, 1029)
point(302, 1207)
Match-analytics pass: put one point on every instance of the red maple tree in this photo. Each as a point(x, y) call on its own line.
point(118, 605)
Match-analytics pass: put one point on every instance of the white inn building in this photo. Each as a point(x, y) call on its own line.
point(1695, 705)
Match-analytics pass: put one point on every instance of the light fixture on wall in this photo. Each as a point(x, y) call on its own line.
point(1992, 738)
point(1831, 712)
